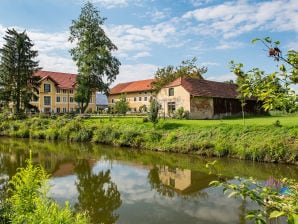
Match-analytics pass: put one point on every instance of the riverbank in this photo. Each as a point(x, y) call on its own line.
point(258, 140)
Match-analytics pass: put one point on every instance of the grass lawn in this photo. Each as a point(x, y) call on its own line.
point(289, 120)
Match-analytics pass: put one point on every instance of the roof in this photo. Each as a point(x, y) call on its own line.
point(135, 86)
point(62, 80)
point(206, 88)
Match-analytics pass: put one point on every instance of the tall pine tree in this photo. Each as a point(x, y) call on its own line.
point(97, 67)
point(17, 68)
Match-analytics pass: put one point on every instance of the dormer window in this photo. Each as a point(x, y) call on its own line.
point(171, 91)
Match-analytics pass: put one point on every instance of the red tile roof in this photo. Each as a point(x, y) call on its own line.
point(136, 86)
point(206, 88)
point(63, 80)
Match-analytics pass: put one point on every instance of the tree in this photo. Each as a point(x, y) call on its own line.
point(17, 70)
point(122, 106)
point(168, 74)
point(97, 67)
point(153, 111)
point(272, 89)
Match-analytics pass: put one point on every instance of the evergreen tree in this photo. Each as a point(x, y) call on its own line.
point(97, 67)
point(17, 67)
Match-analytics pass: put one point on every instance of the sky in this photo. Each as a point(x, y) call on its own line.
point(152, 34)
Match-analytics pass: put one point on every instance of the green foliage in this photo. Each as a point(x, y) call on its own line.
point(17, 67)
point(275, 199)
point(92, 54)
point(260, 140)
point(122, 105)
point(153, 111)
point(273, 89)
point(180, 113)
point(168, 74)
point(29, 202)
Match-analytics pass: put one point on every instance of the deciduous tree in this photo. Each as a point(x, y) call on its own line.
point(97, 67)
point(272, 89)
point(168, 74)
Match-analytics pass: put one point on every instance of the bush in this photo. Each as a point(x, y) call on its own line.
point(29, 202)
point(180, 113)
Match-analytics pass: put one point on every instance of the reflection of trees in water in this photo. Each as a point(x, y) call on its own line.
point(98, 195)
point(156, 183)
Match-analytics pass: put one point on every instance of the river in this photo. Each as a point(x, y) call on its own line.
point(121, 185)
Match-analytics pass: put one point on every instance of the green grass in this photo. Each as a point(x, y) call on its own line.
point(260, 139)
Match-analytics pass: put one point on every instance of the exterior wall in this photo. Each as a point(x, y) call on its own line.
point(201, 108)
point(65, 106)
point(135, 99)
point(180, 98)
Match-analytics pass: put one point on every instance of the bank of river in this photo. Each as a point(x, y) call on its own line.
point(270, 143)
point(120, 185)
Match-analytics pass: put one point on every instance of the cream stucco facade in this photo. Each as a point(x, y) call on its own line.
point(172, 98)
point(51, 99)
point(135, 99)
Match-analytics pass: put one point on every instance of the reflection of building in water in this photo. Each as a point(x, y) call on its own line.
point(184, 181)
point(179, 179)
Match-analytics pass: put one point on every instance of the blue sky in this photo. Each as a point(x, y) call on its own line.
point(151, 34)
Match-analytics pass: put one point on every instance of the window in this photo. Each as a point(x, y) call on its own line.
point(35, 98)
point(58, 109)
point(71, 109)
point(134, 99)
point(145, 92)
point(64, 99)
point(171, 91)
point(140, 92)
point(47, 100)
point(47, 88)
point(57, 90)
point(64, 110)
point(171, 107)
point(140, 98)
point(145, 98)
point(64, 91)
point(71, 99)
point(58, 99)
point(151, 98)
point(112, 100)
point(71, 91)
point(90, 101)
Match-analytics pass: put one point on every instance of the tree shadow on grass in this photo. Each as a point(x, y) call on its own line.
point(170, 126)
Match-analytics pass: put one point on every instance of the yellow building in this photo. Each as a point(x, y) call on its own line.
point(137, 93)
point(56, 93)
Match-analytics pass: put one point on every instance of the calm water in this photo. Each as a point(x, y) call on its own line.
point(119, 185)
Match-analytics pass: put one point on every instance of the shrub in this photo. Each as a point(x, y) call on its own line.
point(29, 202)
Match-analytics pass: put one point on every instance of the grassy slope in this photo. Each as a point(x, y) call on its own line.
point(259, 139)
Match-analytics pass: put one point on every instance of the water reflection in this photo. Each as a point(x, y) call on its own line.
point(97, 193)
point(126, 186)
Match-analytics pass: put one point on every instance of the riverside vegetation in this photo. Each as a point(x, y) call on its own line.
point(269, 139)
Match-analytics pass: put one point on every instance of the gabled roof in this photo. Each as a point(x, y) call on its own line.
point(62, 80)
point(206, 88)
point(136, 86)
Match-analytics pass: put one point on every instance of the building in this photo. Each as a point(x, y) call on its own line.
point(137, 93)
point(56, 93)
point(101, 101)
point(204, 99)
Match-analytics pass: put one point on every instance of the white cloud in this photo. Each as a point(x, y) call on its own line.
point(56, 63)
point(222, 78)
point(134, 72)
point(234, 18)
point(224, 45)
point(116, 3)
